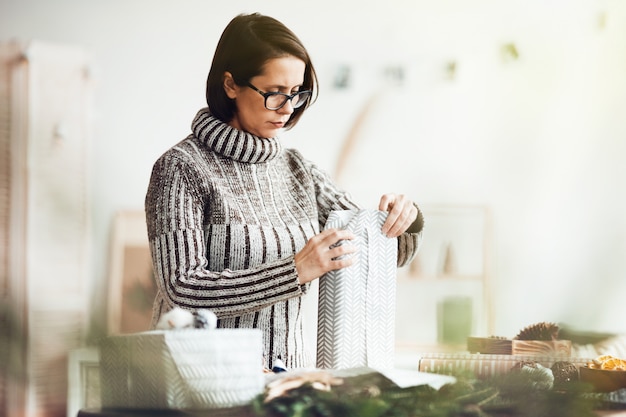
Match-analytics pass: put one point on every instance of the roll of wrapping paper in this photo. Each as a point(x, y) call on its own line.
point(356, 318)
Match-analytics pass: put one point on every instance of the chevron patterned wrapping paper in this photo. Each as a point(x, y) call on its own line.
point(356, 308)
point(181, 369)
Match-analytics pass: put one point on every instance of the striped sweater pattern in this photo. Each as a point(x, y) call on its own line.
point(226, 212)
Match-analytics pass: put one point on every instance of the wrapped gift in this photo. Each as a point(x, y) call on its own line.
point(181, 369)
point(356, 315)
point(486, 365)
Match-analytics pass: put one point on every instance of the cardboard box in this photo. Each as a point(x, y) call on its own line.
point(181, 369)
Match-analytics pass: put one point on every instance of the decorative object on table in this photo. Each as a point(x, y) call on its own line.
point(181, 369)
point(319, 380)
point(538, 376)
point(607, 362)
point(484, 365)
point(204, 319)
point(279, 366)
point(606, 373)
point(537, 339)
point(603, 380)
point(540, 339)
point(564, 372)
point(541, 347)
point(356, 315)
point(515, 394)
point(178, 318)
point(532, 364)
point(539, 331)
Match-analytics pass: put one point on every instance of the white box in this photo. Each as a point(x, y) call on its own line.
point(182, 369)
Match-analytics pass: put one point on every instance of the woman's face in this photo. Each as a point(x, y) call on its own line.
point(285, 75)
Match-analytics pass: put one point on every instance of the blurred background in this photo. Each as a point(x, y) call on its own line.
point(513, 109)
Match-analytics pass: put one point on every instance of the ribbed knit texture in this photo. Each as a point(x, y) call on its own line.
point(226, 213)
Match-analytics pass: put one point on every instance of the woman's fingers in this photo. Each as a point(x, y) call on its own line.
point(401, 214)
point(326, 251)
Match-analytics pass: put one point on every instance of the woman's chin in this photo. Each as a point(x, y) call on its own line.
point(268, 133)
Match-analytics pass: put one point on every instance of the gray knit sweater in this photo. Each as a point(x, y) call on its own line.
point(226, 213)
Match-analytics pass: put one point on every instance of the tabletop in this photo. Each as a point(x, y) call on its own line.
point(242, 411)
point(227, 412)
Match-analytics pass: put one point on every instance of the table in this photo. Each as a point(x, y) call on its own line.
point(230, 412)
point(242, 411)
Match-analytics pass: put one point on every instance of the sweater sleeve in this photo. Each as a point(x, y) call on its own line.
point(409, 242)
point(175, 204)
point(329, 197)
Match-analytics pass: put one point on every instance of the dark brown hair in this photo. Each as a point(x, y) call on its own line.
point(246, 44)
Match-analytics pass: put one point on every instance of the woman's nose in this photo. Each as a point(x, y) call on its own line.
point(287, 108)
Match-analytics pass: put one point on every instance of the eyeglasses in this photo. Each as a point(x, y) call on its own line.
point(276, 100)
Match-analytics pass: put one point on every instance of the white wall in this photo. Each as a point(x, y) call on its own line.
point(541, 140)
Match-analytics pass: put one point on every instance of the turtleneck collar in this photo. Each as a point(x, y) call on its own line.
point(232, 143)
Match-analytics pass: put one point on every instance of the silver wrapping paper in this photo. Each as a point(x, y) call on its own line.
point(356, 315)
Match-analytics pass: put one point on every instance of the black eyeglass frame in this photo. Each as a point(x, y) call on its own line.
point(288, 97)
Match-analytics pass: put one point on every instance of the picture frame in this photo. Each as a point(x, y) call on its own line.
point(132, 287)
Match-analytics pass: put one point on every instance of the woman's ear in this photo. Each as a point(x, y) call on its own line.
point(230, 87)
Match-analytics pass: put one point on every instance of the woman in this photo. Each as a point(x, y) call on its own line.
point(234, 218)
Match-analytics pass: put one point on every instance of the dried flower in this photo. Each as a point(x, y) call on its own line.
point(318, 380)
point(539, 331)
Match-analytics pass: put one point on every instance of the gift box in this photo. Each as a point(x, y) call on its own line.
point(519, 347)
point(181, 369)
point(486, 365)
point(541, 347)
point(356, 314)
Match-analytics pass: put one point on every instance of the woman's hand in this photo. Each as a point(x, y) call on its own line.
point(402, 213)
point(320, 254)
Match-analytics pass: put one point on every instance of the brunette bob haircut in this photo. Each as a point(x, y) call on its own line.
point(246, 44)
